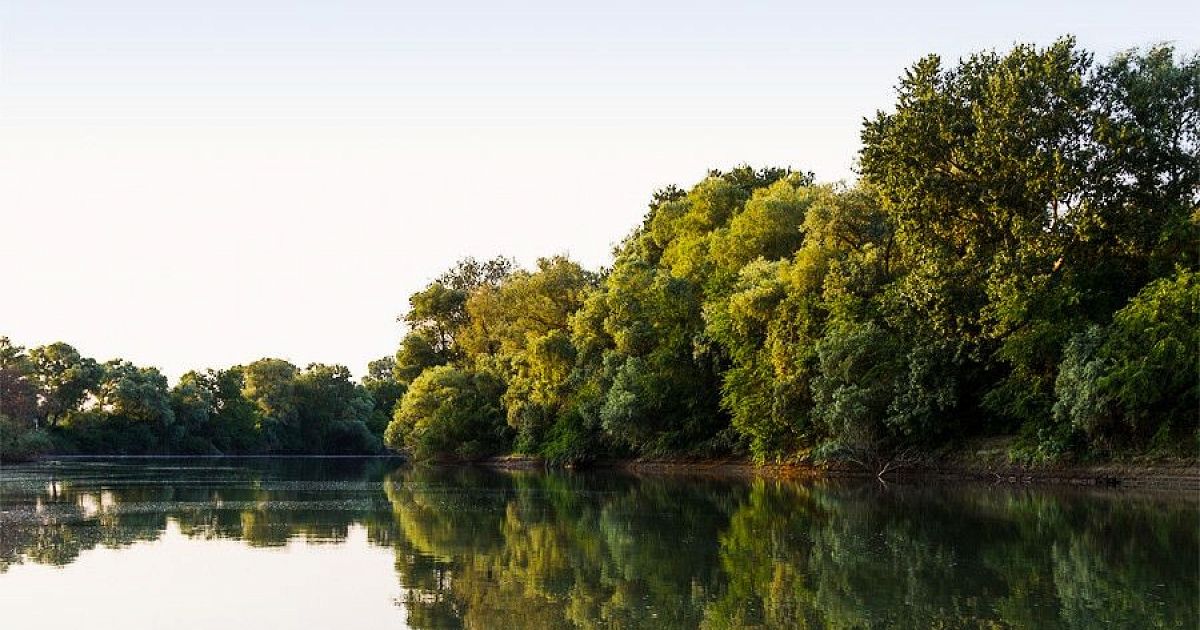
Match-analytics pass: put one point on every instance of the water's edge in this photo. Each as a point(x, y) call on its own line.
point(1174, 475)
point(1165, 475)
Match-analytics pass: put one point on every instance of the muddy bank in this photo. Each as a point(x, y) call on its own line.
point(1168, 474)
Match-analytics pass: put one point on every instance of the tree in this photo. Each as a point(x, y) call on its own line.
point(12, 356)
point(1136, 378)
point(450, 412)
point(215, 412)
point(270, 385)
point(18, 405)
point(439, 310)
point(194, 406)
point(18, 391)
point(1034, 193)
point(380, 382)
point(418, 352)
point(333, 411)
point(650, 371)
point(520, 329)
point(136, 394)
point(64, 379)
point(876, 395)
point(775, 313)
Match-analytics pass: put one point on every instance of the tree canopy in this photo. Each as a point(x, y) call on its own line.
point(1017, 258)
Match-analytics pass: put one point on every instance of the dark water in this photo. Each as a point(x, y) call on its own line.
point(370, 544)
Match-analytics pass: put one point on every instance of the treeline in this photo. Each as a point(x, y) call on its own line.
point(1019, 257)
point(52, 399)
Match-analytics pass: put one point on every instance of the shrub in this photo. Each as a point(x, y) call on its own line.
point(1138, 376)
point(19, 443)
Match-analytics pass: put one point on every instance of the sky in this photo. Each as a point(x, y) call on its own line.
point(194, 184)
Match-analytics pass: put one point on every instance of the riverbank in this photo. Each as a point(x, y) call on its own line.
point(1175, 474)
point(981, 466)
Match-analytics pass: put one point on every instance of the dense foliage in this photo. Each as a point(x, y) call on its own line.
point(1018, 258)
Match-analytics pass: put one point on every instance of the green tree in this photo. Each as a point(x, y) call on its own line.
point(213, 408)
point(64, 379)
point(194, 406)
point(1034, 192)
point(18, 390)
point(520, 329)
point(19, 439)
point(1138, 377)
point(136, 394)
point(385, 390)
point(649, 371)
point(418, 352)
point(270, 385)
point(333, 411)
point(450, 412)
point(439, 311)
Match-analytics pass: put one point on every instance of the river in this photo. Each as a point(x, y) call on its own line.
point(375, 543)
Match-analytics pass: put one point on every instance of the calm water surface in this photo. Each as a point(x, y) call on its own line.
point(318, 543)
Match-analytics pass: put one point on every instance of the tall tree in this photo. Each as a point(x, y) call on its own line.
point(1035, 193)
point(64, 379)
point(270, 384)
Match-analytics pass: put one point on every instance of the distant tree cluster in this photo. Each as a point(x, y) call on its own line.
point(1019, 257)
point(52, 399)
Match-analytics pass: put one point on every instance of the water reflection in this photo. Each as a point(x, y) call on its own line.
point(486, 549)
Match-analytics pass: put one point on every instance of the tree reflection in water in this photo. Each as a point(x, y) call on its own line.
point(475, 548)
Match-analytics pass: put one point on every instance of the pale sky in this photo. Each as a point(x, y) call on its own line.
point(200, 183)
